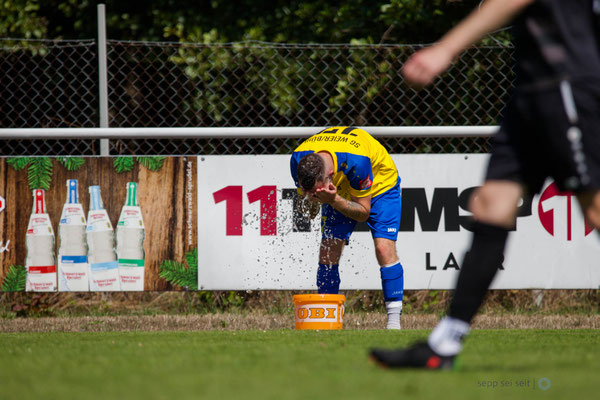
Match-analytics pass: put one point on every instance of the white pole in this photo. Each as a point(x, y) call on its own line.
point(102, 77)
point(239, 132)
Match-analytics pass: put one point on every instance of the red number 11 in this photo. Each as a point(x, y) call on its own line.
point(233, 196)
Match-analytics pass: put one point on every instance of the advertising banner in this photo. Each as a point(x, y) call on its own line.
point(250, 235)
point(231, 223)
point(98, 223)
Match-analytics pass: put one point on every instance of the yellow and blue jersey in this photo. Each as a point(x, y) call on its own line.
point(362, 165)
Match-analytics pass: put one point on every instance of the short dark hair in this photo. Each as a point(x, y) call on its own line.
point(310, 170)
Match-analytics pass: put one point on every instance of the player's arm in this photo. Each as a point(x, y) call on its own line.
point(425, 65)
point(358, 208)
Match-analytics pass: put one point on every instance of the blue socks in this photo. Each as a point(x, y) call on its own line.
point(328, 279)
point(392, 282)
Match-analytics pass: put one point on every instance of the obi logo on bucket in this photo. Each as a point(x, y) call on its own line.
point(316, 313)
point(559, 214)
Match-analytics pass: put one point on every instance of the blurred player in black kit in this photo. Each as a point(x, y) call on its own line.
point(550, 128)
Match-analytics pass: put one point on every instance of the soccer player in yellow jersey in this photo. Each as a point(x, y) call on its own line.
point(353, 178)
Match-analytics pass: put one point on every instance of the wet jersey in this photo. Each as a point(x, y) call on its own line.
point(362, 165)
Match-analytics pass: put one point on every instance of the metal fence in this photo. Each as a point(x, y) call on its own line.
point(47, 84)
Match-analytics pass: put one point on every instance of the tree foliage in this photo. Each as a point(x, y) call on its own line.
point(151, 163)
point(22, 19)
point(239, 80)
point(18, 163)
point(178, 274)
point(296, 21)
point(15, 279)
point(39, 173)
point(71, 163)
point(123, 164)
point(126, 164)
point(39, 169)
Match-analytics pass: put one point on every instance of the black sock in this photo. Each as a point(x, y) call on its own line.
point(478, 270)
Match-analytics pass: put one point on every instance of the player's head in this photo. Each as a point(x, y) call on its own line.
point(311, 172)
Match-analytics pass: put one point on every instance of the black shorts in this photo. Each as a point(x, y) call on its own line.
point(539, 138)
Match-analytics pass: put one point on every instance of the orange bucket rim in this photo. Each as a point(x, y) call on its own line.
point(302, 298)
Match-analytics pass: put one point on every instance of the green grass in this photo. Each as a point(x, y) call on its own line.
point(290, 364)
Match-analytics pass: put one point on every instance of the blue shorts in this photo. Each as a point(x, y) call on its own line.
point(384, 220)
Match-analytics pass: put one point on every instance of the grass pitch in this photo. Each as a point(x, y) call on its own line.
point(287, 364)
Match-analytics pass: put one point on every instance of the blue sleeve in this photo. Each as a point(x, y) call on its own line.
point(357, 169)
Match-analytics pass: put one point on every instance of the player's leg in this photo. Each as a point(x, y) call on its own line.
point(328, 274)
point(392, 280)
point(494, 206)
point(385, 251)
point(384, 222)
point(336, 230)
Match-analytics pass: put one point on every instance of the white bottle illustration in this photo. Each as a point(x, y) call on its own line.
point(130, 241)
point(104, 269)
point(40, 260)
point(72, 250)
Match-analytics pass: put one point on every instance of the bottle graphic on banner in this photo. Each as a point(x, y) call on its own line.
point(130, 241)
point(40, 261)
point(72, 250)
point(104, 269)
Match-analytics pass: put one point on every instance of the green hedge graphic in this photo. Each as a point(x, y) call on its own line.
point(178, 274)
point(15, 279)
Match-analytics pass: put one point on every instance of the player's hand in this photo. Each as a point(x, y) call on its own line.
point(326, 194)
point(309, 207)
point(425, 65)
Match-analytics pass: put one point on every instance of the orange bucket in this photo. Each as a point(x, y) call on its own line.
point(319, 311)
